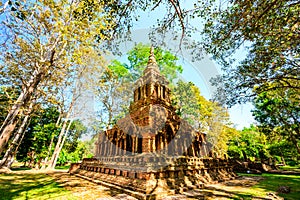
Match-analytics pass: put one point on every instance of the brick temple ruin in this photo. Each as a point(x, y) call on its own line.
point(152, 152)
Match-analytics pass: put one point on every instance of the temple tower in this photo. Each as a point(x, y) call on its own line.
point(152, 110)
point(151, 152)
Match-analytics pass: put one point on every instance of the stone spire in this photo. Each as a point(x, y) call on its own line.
point(152, 64)
point(151, 74)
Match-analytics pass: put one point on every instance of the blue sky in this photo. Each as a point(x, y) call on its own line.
point(198, 72)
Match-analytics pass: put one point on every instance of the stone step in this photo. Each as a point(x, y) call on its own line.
point(136, 194)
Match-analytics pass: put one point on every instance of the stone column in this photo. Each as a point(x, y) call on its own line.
point(199, 149)
point(151, 89)
point(136, 144)
point(203, 149)
point(193, 149)
point(99, 149)
point(153, 144)
point(117, 147)
point(105, 148)
point(146, 144)
point(165, 143)
point(184, 147)
point(161, 142)
point(124, 145)
point(149, 144)
point(110, 148)
point(144, 91)
point(136, 95)
point(158, 91)
point(133, 144)
point(176, 146)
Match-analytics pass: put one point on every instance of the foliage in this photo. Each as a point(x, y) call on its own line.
point(256, 44)
point(268, 31)
point(166, 61)
point(42, 129)
point(205, 116)
point(278, 113)
point(46, 41)
point(7, 96)
point(249, 144)
point(38, 135)
point(81, 151)
point(76, 131)
point(184, 97)
point(114, 86)
point(255, 144)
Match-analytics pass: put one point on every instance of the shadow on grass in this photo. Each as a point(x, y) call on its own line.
point(20, 168)
point(29, 186)
point(62, 167)
point(86, 189)
point(274, 181)
point(271, 183)
point(251, 187)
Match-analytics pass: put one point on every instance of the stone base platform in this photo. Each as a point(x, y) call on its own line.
point(151, 178)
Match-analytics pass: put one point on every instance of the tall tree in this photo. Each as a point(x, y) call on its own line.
point(268, 30)
point(46, 38)
point(257, 44)
point(39, 134)
point(278, 113)
point(249, 144)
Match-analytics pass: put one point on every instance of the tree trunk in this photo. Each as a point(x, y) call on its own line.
point(57, 146)
point(51, 143)
point(64, 139)
point(10, 121)
point(31, 161)
point(66, 134)
point(294, 141)
point(60, 137)
point(11, 151)
point(48, 153)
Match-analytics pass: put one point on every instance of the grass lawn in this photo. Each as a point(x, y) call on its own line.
point(31, 186)
point(271, 183)
point(291, 168)
point(63, 167)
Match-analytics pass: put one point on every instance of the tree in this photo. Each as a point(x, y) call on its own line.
point(114, 87)
point(268, 30)
point(184, 97)
point(39, 133)
point(10, 153)
point(205, 116)
point(46, 39)
point(7, 96)
point(249, 144)
point(278, 113)
point(166, 61)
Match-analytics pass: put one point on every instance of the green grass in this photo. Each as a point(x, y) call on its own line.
point(271, 183)
point(291, 168)
point(62, 167)
point(31, 186)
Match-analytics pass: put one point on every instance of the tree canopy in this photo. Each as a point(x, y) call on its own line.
point(267, 31)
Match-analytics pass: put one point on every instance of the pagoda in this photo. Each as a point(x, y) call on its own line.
point(152, 152)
